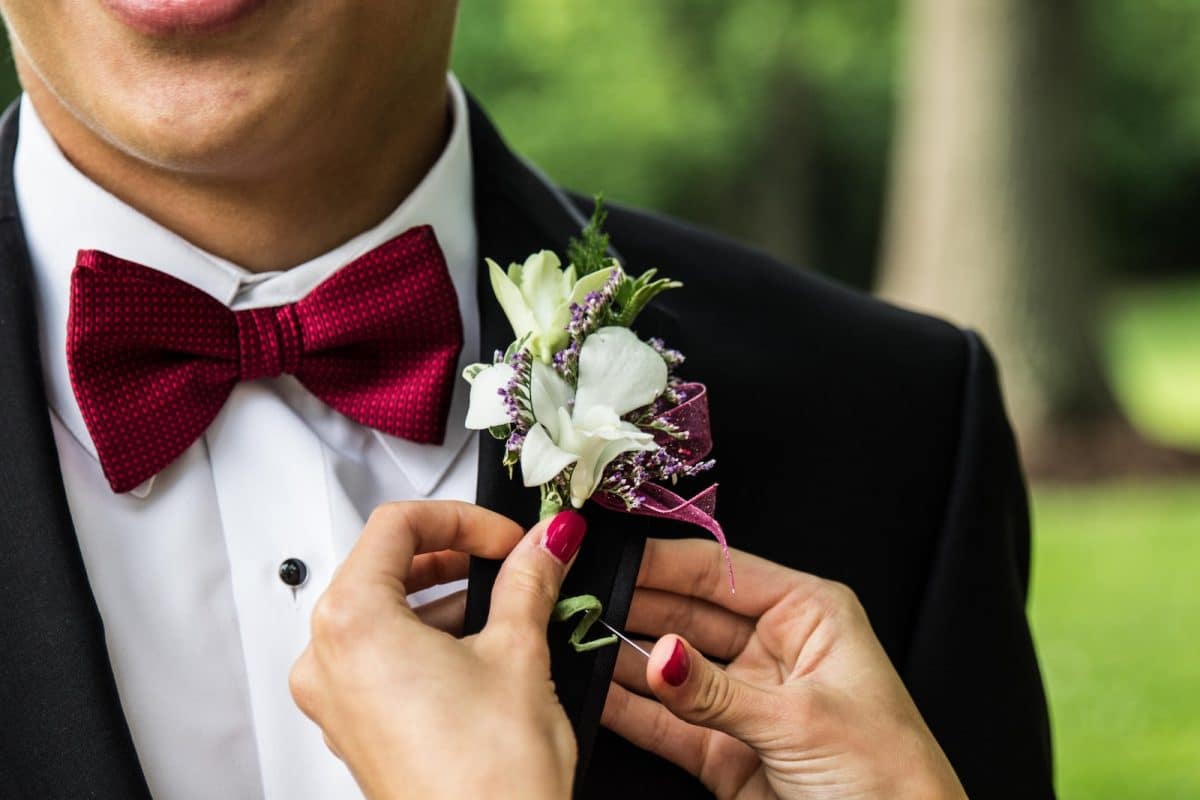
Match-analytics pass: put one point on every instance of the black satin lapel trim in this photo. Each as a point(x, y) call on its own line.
point(64, 734)
point(616, 613)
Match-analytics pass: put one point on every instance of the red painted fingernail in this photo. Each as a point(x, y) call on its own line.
point(564, 534)
point(675, 671)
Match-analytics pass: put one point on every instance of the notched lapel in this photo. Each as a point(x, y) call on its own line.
point(64, 734)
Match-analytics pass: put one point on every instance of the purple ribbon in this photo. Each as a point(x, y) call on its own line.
point(657, 501)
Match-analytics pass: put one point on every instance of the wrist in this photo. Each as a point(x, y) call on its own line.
point(931, 779)
point(927, 773)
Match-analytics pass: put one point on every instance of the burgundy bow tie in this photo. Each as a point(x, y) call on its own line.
point(152, 359)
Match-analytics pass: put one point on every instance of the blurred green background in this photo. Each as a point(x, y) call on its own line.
point(1026, 167)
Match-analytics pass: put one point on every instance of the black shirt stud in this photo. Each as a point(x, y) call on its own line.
point(293, 572)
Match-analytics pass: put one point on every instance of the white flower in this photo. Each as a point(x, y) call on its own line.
point(487, 409)
point(617, 374)
point(536, 297)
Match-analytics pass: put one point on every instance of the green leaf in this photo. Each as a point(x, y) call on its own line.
point(471, 370)
point(639, 292)
point(514, 347)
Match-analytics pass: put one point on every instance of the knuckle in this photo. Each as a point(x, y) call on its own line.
point(388, 514)
point(303, 685)
point(500, 637)
point(737, 638)
point(681, 616)
point(836, 597)
point(506, 642)
point(335, 619)
point(713, 572)
point(332, 748)
point(660, 731)
point(526, 580)
point(567, 747)
point(846, 595)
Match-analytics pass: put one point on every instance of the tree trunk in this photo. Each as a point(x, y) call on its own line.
point(985, 224)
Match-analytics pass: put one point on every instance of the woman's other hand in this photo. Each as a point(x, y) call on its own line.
point(808, 706)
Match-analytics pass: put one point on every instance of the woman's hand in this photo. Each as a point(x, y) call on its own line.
point(809, 705)
point(415, 712)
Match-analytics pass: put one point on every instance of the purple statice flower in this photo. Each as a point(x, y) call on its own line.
point(674, 358)
point(586, 318)
point(626, 474)
point(515, 393)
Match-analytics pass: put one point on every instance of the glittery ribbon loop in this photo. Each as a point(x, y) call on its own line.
point(691, 416)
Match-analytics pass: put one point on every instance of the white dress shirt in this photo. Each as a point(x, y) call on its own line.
point(201, 631)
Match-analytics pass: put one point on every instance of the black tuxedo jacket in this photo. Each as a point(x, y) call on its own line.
point(853, 440)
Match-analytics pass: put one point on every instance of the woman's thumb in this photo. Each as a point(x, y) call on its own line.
point(699, 692)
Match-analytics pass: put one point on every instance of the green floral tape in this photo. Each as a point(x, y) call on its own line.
point(591, 607)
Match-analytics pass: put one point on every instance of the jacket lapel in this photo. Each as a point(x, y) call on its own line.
point(64, 734)
point(517, 213)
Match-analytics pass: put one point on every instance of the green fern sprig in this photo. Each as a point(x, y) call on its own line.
point(589, 252)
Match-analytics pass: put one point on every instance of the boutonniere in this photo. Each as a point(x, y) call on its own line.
point(586, 408)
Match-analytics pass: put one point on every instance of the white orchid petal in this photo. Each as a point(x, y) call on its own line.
point(618, 370)
point(588, 473)
point(625, 431)
point(592, 282)
point(542, 286)
point(514, 274)
point(603, 422)
point(471, 370)
point(541, 459)
point(509, 296)
point(565, 435)
point(548, 393)
point(486, 408)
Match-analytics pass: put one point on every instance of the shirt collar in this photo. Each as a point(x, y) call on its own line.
point(63, 211)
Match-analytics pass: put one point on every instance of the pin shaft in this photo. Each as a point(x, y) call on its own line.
point(625, 638)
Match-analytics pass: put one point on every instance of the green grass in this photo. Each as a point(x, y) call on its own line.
point(1115, 603)
point(1153, 347)
point(1115, 608)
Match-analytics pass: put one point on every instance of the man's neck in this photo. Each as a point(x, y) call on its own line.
point(276, 215)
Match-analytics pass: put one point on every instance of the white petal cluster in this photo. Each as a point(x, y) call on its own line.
point(579, 426)
point(537, 296)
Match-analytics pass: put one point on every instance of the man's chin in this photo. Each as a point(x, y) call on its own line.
point(214, 143)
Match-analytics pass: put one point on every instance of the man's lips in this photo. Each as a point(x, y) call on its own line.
point(166, 17)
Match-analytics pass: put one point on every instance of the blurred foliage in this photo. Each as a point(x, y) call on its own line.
point(715, 111)
point(673, 105)
point(1144, 114)
point(1119, 658)
point(693, 106)
point(1153, 342)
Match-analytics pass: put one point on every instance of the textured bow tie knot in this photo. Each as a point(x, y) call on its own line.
point(270, 342)
point(153, 359)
